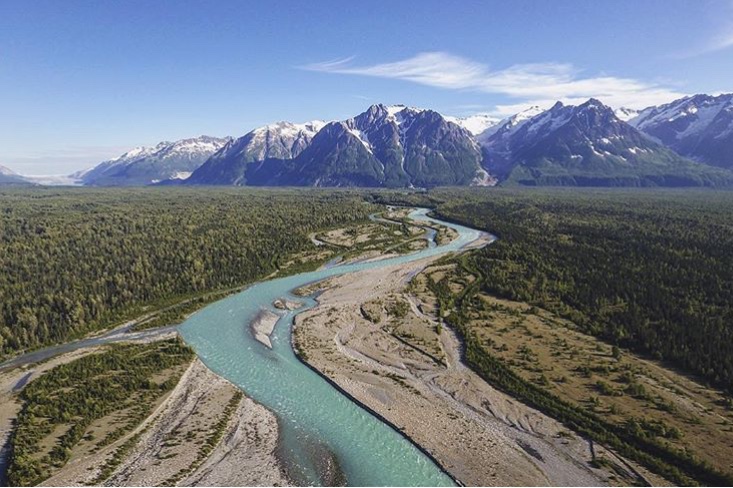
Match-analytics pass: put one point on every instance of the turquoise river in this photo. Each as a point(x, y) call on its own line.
point(314, 418)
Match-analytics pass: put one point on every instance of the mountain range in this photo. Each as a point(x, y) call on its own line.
point(587, 145)
point(688, 142)
point(699, 127)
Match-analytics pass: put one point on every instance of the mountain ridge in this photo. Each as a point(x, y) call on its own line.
point(675, 144)
point(588, 145)
point(392, 146)
point(148, 165)
point(699, 127)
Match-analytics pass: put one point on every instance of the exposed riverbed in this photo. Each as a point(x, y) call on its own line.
point(325, 438)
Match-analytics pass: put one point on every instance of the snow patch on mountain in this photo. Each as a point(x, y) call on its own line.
point(511, 124)
point(475, 124)
point(625, 113)
point(362, 137)
point(181, 175)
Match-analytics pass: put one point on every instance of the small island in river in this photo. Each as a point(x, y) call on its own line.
point(262, 326)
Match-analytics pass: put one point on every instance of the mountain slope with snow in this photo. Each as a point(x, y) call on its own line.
point(699, 127)
point(148, 165)
point(626, 114)
point(392, 146)
point(475, 124)
point(10, 177)
point(588, 145)
point(400, 147)
point(229, 165)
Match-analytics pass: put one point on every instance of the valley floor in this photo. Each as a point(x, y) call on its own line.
point(370, 336)
point(378, 335)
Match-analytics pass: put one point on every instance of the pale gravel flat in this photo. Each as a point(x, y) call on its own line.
point(262, 326)
point(246, 455)
point(285, 304)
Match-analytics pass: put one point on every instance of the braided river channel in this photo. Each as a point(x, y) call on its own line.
point(321, 430)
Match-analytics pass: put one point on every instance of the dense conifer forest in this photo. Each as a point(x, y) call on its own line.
point(76, 260)
point(649, 270)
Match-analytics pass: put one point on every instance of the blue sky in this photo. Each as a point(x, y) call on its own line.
point(82, 81)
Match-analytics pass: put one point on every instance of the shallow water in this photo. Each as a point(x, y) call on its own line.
point(313, 416)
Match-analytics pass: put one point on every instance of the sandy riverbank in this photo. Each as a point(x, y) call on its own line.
point(478, 434)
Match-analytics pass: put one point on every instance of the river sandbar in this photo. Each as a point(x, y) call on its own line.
point(262, 326)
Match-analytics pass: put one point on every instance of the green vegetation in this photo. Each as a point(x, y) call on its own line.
point(386, 234)
point(60, 407)
point(77, 260)
point(641, 444)
point(398, 308)
point(176, 314)
point(650, 271)
point(106, 470)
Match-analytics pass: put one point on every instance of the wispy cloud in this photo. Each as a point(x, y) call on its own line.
point(718, 42)
point(530, 84)
point(720, 37)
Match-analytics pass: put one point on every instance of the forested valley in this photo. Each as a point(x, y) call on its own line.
point(649, 270)
point(646, 271)
point(75, 261)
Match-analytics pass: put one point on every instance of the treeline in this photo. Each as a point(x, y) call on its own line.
point(75, 260)
point(648, 270)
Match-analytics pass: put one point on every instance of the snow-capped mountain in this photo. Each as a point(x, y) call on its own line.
point(147, 165)
point(699, 127)
point(228, 166)
point(394, 146)
point(400, 146)
point(587, 145)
